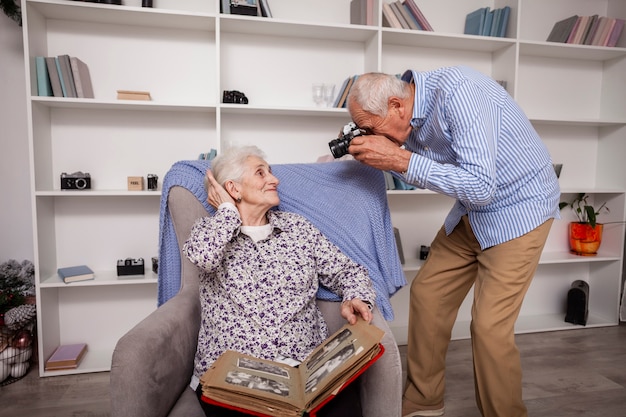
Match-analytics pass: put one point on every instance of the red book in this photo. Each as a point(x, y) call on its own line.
point(616, 32)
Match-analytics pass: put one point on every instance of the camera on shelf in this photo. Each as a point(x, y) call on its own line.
point(75, 181)
point(130, 266)
point(234, 96)
point(339, 147)
point(152, 182)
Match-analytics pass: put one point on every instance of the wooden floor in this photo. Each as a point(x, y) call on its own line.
point(566, 373)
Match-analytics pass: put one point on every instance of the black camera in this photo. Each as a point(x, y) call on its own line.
point(76, 181)
point(130, 266)
point(339, 147)
point(234, 96)
point(152, 182)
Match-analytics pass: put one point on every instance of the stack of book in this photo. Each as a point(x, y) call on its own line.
point(587, 30)
point(63, 76)
point(487, 22)
point(404, 15)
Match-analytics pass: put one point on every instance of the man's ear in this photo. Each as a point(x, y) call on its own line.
point(396, 105)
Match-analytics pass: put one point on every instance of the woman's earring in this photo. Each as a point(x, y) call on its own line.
point(238, 200)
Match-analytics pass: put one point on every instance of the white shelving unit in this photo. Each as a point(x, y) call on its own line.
point(186, 54)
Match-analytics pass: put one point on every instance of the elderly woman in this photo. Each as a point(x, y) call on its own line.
point(261, 269)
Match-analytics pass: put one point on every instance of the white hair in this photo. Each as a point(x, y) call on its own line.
point(230, 163)
point(372, 91)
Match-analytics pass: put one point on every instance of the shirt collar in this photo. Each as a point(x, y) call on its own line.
point(419, 102)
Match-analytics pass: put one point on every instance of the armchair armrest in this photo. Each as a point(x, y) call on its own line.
point(152, 364)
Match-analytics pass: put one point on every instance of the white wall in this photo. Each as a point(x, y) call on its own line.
point(16, 231)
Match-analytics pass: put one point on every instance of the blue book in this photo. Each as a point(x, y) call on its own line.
point(475, 21)
point(506, 11)
point(488, 22)
point(44, 88)
point(497, 18)
point(75, 273)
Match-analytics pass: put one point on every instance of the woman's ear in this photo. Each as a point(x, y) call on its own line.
point(232, 188)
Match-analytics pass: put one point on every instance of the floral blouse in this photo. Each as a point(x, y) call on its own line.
point(259, 298)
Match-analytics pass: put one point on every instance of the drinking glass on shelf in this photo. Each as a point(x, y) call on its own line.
point(329, 94)
point(318, 94)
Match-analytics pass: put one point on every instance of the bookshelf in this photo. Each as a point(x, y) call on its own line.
point(185, 53)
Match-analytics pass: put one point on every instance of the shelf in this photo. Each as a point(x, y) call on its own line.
point(102, 278)
point(570, 51)
point(438, 40)
point(93, 104)
point(577, 122)
point(97, 193)
point(247, 109)
point(123, 15)
point(253, 25)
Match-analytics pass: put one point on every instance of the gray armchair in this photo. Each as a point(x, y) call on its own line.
point(152, 364)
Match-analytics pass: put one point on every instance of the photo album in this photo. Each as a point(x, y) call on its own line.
point(266, 388)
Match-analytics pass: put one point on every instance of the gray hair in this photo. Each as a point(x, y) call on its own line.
point(230, 163)
point(372, 91)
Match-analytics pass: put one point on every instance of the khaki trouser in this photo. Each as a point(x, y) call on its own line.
point(501, 276)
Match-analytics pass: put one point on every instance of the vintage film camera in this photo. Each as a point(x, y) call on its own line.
point(339, 147)
point(130, 266)
point(153, 180)
point(234, 96)
point(75, 181)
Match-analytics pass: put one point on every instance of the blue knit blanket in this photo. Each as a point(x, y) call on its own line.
point(346, 200)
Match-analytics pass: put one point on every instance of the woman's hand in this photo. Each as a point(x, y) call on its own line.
point(351, 308)
point(216, 193)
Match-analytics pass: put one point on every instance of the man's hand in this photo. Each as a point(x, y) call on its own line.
point(216, 193)
point(351, 308)
point(380, 152)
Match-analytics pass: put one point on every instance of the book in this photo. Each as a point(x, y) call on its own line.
point(602, 22)
point(474, 21)
point(82, 79)
point(396, 10)
point(133, 95)
point(53, 73)
point(616, 33)
point(357, 12)
point(407, 16)
point(572, 33)
point(340, 93)
point(389, 17)
point(75, 273)
point(419, 16)
point(592, 30)
point(606, 31)
point(497, 19)
point(581, 30)
point(504, 22)
point(66, 357)
point(346, 91)
point(561, 29)
point(43, 79)
point(265, 8)
point(489, 20)
point(396, 234)
point(263, 387)
point(589, 24)
point(67, 79)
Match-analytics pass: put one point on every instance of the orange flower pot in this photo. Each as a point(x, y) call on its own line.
point(585, 240)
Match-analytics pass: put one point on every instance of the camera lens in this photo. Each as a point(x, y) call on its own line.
point(339, 147)
point(80, 183)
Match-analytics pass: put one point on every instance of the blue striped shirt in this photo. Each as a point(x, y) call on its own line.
point(471, 141)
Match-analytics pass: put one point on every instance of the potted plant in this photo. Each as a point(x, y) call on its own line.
point(585, 235)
